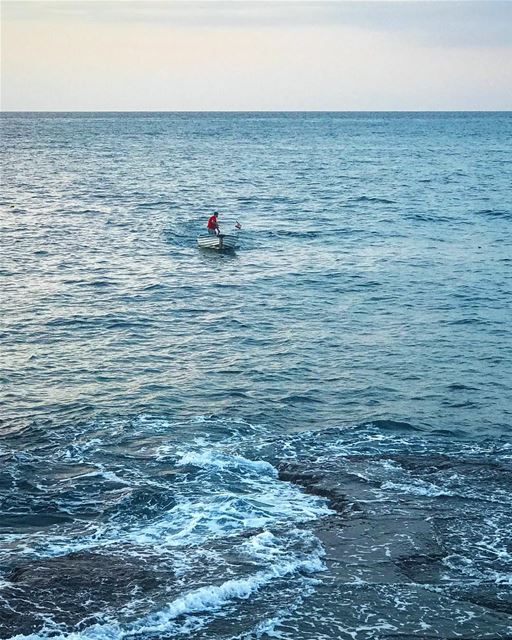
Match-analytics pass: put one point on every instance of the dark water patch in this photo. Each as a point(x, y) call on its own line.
point(300, 398)
point(153, 287)
point(429, 218)
point(373, 199)
point(394, 426)
point(107, 321)
point(466, 404)
point(98, 283)
point(368, 284)
point(294, 233)
point(117, 223)
point(499, 214)
point(467, 321)
point(449, 433)
point(80, 212)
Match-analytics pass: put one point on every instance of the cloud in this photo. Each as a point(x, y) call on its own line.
point(466, 23)
point(256, 55)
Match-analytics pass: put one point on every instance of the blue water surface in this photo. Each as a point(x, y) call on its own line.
point(373, 280)
point(150, 391)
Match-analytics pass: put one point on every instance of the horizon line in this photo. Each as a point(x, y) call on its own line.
point(8, 111)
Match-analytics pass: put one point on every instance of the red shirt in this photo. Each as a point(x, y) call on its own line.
point(212, 222)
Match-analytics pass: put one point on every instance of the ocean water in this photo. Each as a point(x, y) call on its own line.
point(307, 439)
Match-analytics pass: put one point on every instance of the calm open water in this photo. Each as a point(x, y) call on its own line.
point(307, 439)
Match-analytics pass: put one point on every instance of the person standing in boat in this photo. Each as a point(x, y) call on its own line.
point(213, 225)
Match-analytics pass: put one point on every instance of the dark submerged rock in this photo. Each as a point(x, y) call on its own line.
point(76, 590)
point(317, 484)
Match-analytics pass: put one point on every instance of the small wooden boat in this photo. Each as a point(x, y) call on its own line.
point(222, 242)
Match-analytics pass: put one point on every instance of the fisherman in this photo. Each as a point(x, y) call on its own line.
point(213, 225)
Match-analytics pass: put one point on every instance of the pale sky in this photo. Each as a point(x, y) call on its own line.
point(256, 55)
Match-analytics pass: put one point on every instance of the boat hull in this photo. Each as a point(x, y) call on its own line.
point(222, 242)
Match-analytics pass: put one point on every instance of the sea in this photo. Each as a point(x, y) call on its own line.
point(308, 438)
